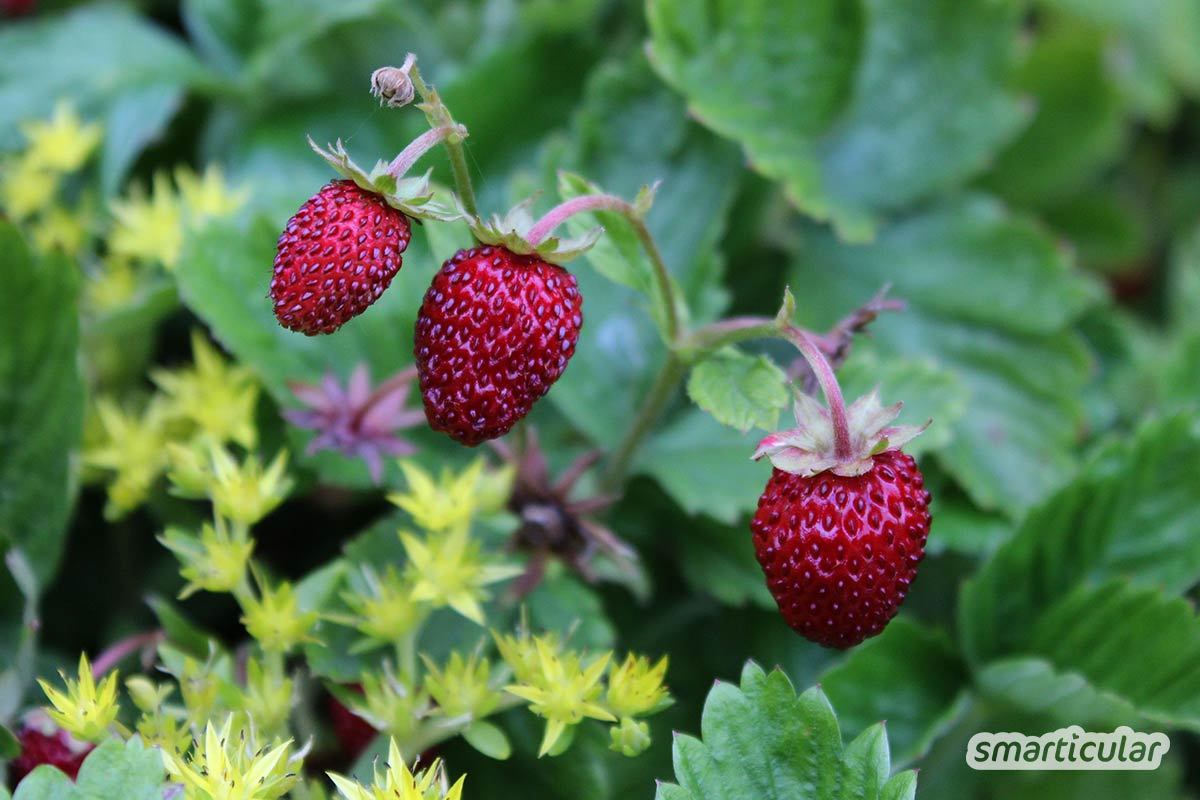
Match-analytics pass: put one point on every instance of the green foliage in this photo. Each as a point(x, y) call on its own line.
point(41, 401)
point(114, 769)
point(873, 120)
point(1021, 176)
point(739, 390)
point(762, 740)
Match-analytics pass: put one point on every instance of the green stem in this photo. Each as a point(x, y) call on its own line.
point(439, 116)
point(669, 377)
point(433, 733)
point(829, 385)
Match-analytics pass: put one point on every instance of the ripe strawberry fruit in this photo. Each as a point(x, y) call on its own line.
point(840, 539)
point(495, 331)
point(42, 742)
point(336, 257)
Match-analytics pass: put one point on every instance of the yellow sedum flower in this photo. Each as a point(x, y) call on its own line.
point(214, 394)
point(214, 562)
point(208, 196)
point(564, 692)
point(148, 229)
point(60, 229)
point(398, 783)
point(267, 698)
point(446, 504)
point(387, 614)
point(63, 143)
point(462, 687)
point(390, 705)
point(229, 765)
point(275, 619)
point(86, 709)
point(26, 189)
point(245, 493)
point(134, 449)
point(521, 653)
point(635, 688)
point(112, 286)
point(450, 571)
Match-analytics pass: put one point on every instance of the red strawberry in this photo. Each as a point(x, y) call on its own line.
point(42, 742)
point(495, 331)
point(335, 257)
point(840, 538)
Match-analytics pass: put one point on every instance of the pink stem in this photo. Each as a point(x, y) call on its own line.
point(418, 147)
point(122, 648)
point(829, 385)
point(576, 205)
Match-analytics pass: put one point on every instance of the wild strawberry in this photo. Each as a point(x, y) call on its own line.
point(43, 742)
point(340, 251)
point(335, 258)
point(494, 333)
point(840, 536)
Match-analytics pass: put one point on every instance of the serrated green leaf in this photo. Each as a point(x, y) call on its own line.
point(1033, 685)
point(991, 299)
point(762, 741)
point(1131, 513)
point(488, 739)
point(739, 390)
point(849, 105)
point(705, 466)
point(910, 677)
point(97, 55)
point(1092, 633)
point(41, 401)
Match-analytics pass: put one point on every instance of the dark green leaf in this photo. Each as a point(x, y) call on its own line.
point(991, 299)
point(908, 677)
point(855, 115)
point(1132, 514)
point(97, 55)
point(705, 466)
point(41, 400)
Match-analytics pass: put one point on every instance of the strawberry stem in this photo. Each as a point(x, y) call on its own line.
point(418, 147)
point(439, 116)
point(829, 385)
point(607, 202)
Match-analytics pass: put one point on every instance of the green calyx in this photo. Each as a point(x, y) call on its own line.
point(415, 197)
point(510, 230)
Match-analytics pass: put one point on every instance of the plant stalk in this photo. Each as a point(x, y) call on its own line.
point(660, 394)
point(418, 147)
point(829, 385)
point(440, 116)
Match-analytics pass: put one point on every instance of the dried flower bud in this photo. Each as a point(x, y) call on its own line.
point(392, 85)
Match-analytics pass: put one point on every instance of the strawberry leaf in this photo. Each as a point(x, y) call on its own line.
point(926, 687)
point(41, 401)
point(1081, 667)
point(856, 115)
point(740, 390)
point(762, 741)
point(990, 299)
point(1132, 513)
point(114, 769)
